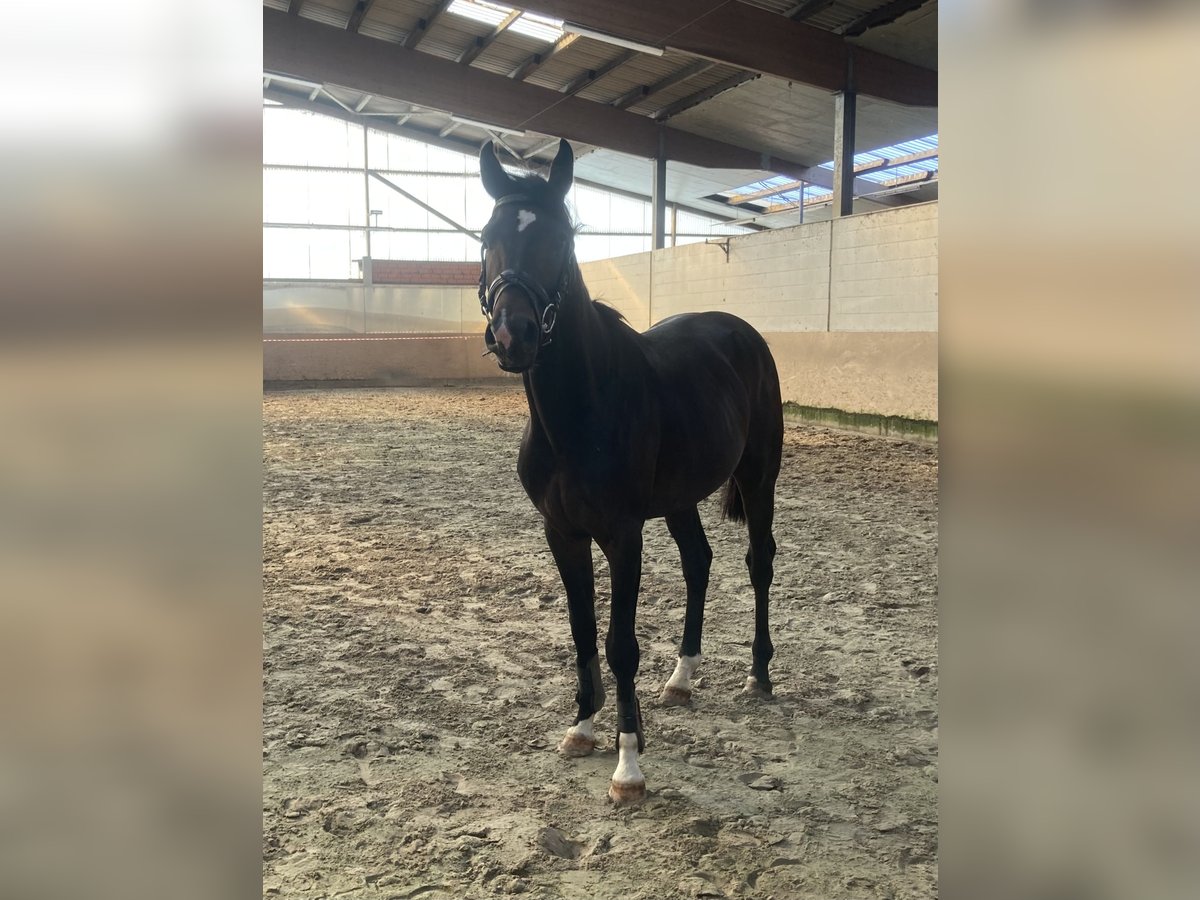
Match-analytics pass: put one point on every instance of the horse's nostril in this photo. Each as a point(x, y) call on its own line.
point(529, 331)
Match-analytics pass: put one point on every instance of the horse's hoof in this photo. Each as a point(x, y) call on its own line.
point(627, 794)
point(754, 688)
point(673, 696)
point(577, 745)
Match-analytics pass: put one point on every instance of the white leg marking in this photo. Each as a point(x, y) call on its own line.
point(754, 689)
point(525, 218)
point(628, 784)
point(580, 740)
point(678, 691)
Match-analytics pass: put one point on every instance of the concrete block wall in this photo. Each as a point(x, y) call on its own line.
point(871, 272)
point(849, 307)
point(624, 283)
point(884, 271)
point(777, 281)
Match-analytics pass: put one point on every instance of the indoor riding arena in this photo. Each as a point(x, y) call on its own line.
point(773, 160)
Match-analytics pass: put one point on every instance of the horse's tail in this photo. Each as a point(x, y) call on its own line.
point(731, 503)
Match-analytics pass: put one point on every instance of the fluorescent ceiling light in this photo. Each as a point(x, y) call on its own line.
point(499, 129)
point(572, 28)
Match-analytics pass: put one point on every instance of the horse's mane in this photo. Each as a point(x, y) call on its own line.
point(610, 312)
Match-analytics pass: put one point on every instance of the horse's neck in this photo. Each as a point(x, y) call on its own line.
point(566, 386)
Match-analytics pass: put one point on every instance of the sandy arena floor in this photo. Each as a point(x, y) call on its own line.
point(418, 674)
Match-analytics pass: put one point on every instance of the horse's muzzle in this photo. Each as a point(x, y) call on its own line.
point(508, 361)
point(513, 340)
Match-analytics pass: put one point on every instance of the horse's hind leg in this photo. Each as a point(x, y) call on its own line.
point(573, 556)
point(696, 556)
point(759, 505)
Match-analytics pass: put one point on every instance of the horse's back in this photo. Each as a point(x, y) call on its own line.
point(713, 347)
point(718, 395)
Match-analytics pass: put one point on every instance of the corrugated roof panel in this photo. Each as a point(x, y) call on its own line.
point(686, 88)
point(327, 15)
point(401, 13)
point(387, 18)
point(446, 49)
point(391, 28)
point(409, 9)
point(582, 55)
point(775, 6)
point(505, 54)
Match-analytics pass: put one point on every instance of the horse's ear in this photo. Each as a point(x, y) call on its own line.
point(495, 180)
point(562, 170)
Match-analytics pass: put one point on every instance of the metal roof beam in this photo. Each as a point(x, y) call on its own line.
point(539, 148)
point(536, 60)
point(750, 38)
point(423, 25)
point(482, 43)
point(361, 8)
point(299, 46)
point(425, 206)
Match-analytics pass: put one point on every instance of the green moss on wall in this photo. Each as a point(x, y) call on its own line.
point(892, 426)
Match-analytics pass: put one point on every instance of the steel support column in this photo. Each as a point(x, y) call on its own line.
point(658, 204)
point(843, 153)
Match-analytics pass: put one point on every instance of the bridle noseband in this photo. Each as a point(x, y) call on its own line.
point(545, 304)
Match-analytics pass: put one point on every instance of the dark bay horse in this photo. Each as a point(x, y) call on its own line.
point(625, 427)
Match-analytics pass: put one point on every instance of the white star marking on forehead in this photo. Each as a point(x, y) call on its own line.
point(524, 219)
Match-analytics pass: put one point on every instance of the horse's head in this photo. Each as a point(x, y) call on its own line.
point(528, 256)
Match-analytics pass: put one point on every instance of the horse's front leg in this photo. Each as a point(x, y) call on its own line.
point(624, 553)
point(573, 556)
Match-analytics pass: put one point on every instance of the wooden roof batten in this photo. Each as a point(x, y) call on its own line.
point(482, 43)
point(751, 38)
point(424, 23)
point(361, 8)
point(536, 60)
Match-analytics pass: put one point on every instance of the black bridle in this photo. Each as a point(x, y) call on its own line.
point(545, 304)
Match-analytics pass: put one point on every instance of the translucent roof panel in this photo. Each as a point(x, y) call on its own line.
point(893, 151)
point(904, 148)
point(480, 10)
point(542, 28)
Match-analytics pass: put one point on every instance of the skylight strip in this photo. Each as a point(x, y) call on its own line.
point(480, 11)
point(542, 28)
